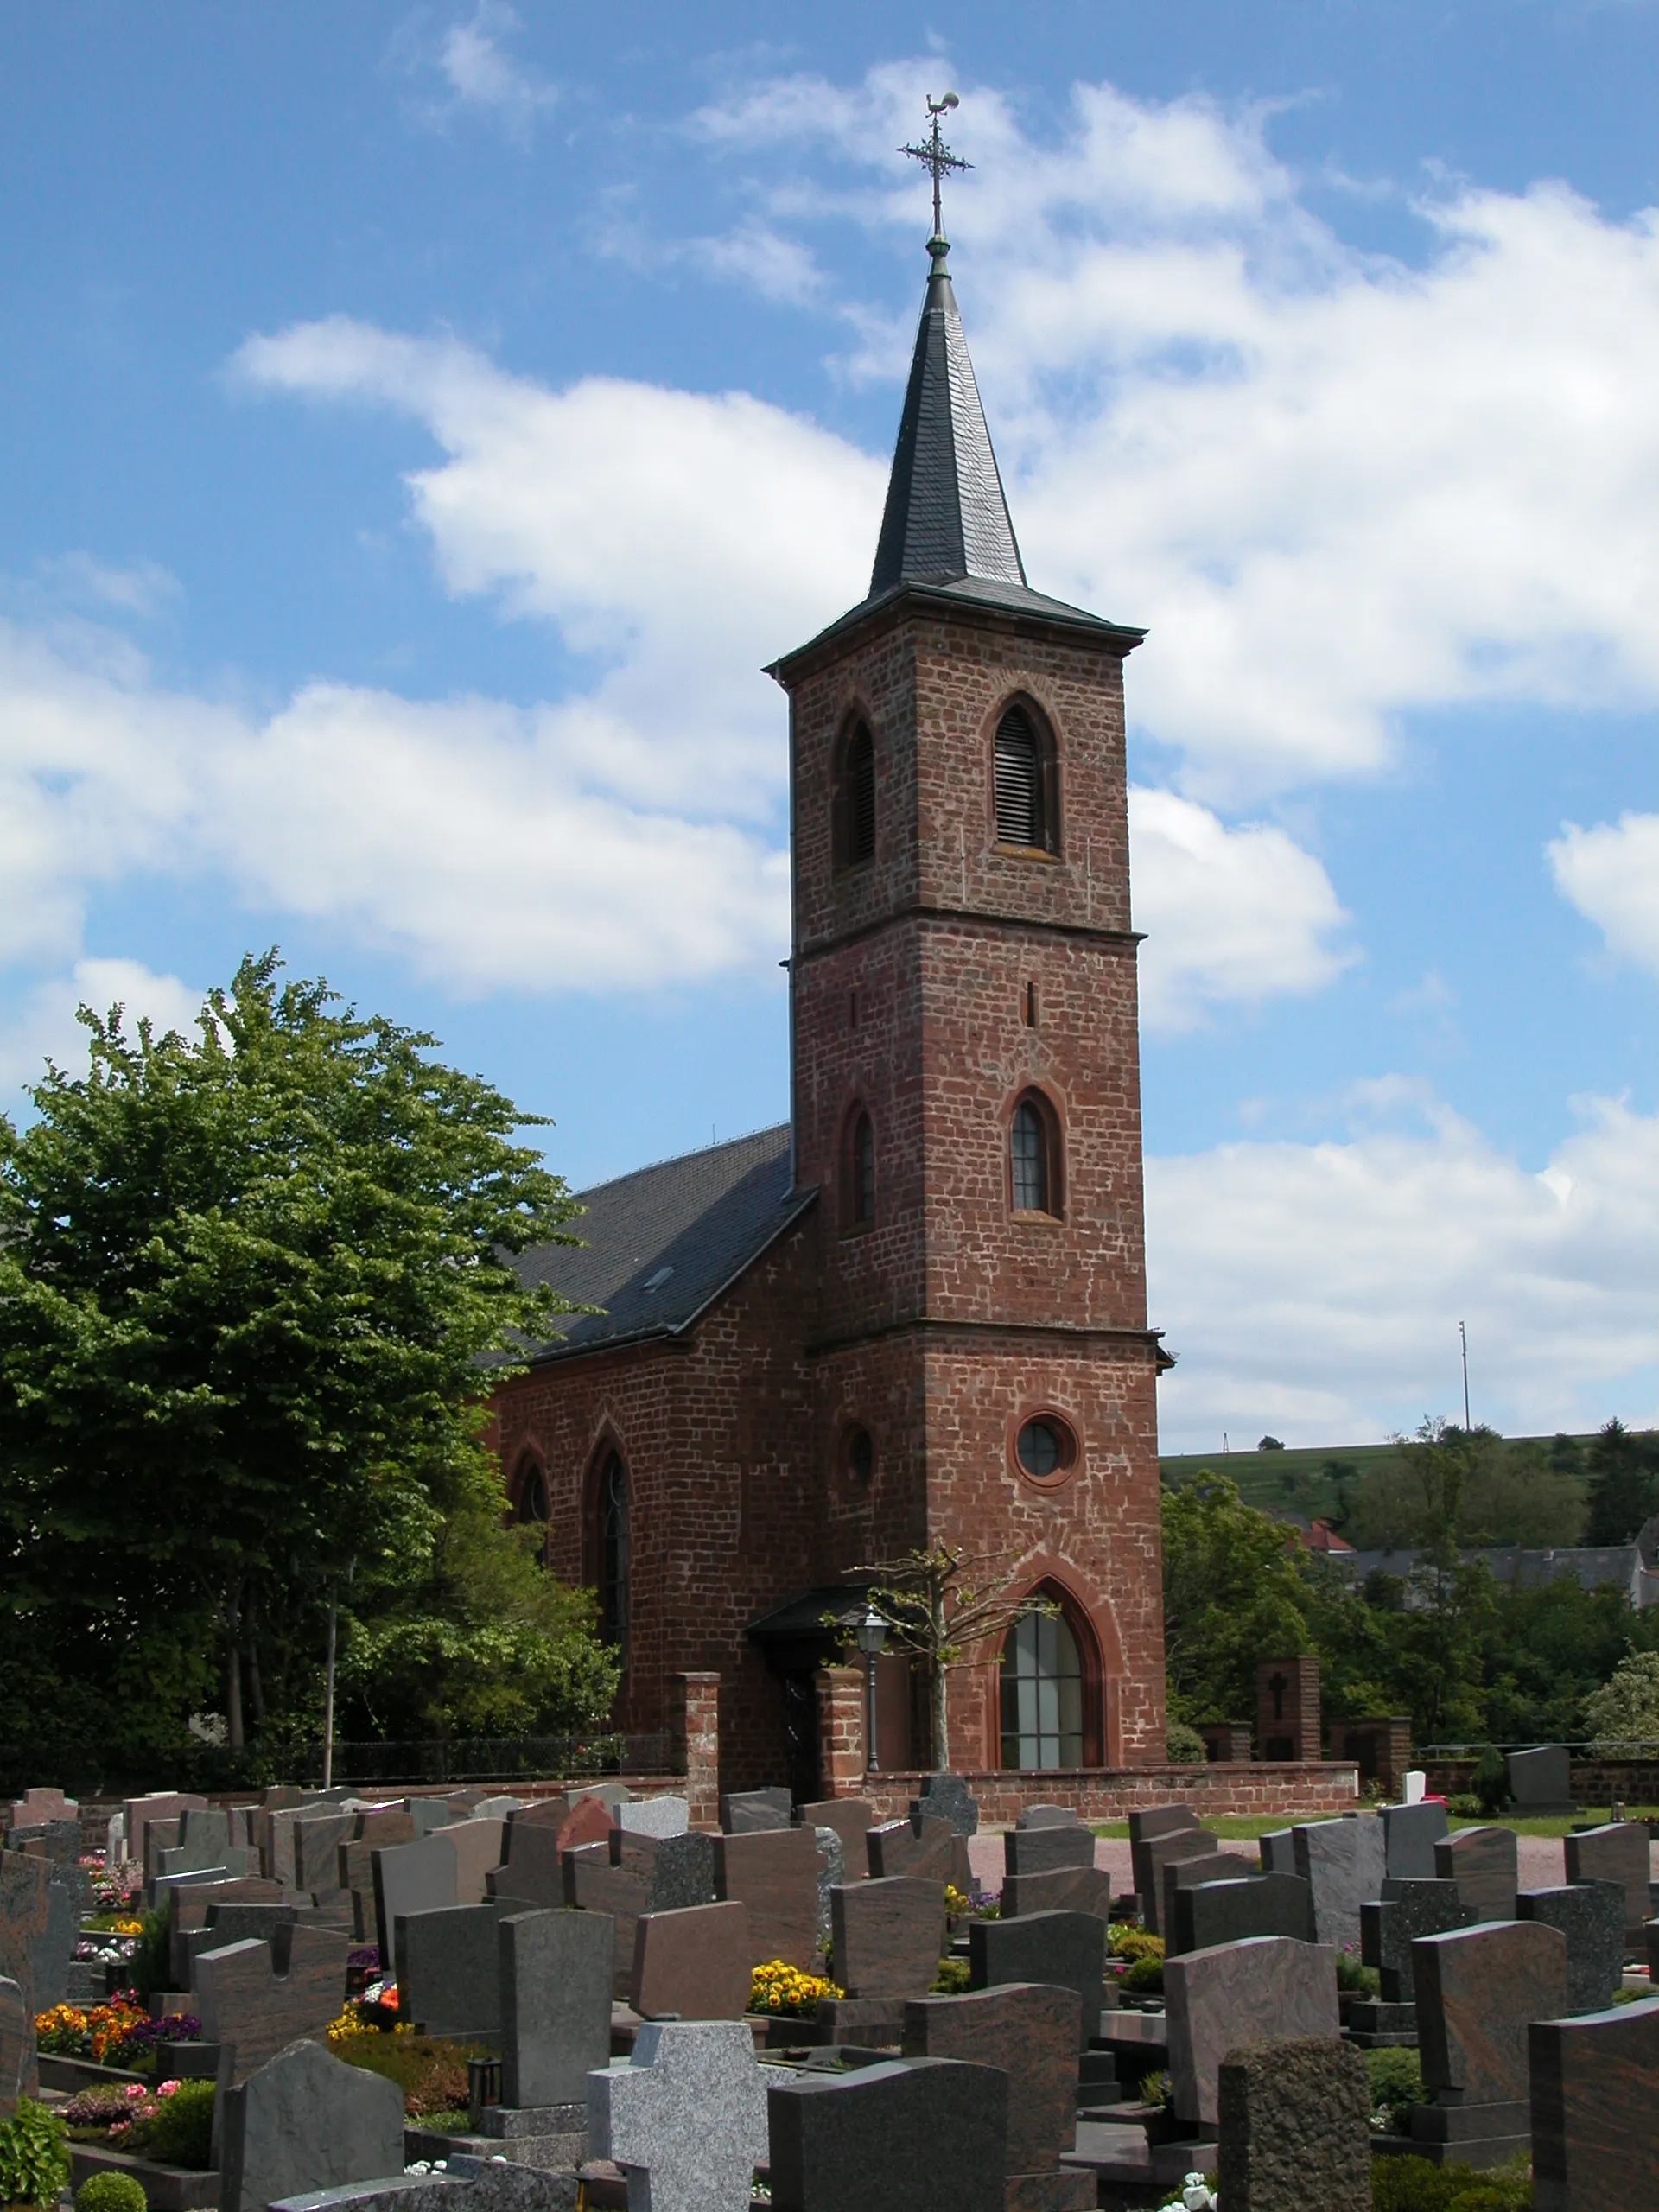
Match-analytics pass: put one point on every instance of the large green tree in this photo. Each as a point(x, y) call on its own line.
point(246, 1281)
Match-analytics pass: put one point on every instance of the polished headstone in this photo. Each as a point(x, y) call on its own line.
point(1234, 1994)
point(1591, 1915)
point(852, 1818)
point(775, 1874)
point(1031, 2031)
point(1295, 2122)
point(535, 1843)
point(39, 1924)
point(1069, 1889)
point(1389, 1926)
point(447, 1964)
point(945, 1797)
point(1048, 1817)
point(256, 1998)
point(886, 1936)
point(159, 1805)
point(1276, 1848)
point(1483, 1863)
point(556, 2004)
point(660, 1816)
point(316, 1840)
point(908, 1848)
point(1047, 1850)
point(745, 1811)
point(695, 1964)
point(1410, 1833)
point(1595, 2136)
point(1065, 1950)
point(1191, 1874)
point(684, 2117)
point(1228, 1911)
point(1151, 1856)
point(1541, 1781)
point(237, 1921)
point(930, 2135)
point(1147, 1821)
point(1478, 1990)
point(304, 2120)
point(17, 2068)
point(418, 1876)
point(1617, 1853)
point(474, 1847)
point(1345, 1861)
point(593, 1884)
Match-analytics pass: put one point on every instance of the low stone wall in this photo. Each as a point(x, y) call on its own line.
point(1595, 1782)
point(1259, 1787)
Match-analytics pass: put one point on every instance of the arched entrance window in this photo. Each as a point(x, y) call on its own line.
point(611, 1504)
point(1042, 1695)
point(531, 1509)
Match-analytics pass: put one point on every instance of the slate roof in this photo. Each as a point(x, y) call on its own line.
point(1591, 1565)
point(659, 1244)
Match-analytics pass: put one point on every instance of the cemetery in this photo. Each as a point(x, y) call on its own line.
point(583, 1997)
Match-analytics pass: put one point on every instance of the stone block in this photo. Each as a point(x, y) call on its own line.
point(1483, 1863)
point(1047, 1850)
point(1226, 1912)
point(475, 1846)
point(1276, 1848)
point(556, 1979)
point(1541, 1781)
point(924, 1849)
point(851, 1819)
point(1032, 2033)
point(317, 1838)
point(1594, 2139)
point(1591, 1915)
point(934, 2130)
point(18, 2076)
point(749, 1812)
point(886, 1936)
point(39, 1924)
point(418, 1876)
point(693, 1964)
point(1293, 2115)
point(1191, 1874)
point(304, 2120)
point(1064, 1950)
point(1150, 1858)
point(234, 1921)
point(945, 1797)
point(1389, 1926)
point(775, 1874)
point(593, 1884)
point(159, 1805)
point(1048, 1817)
point(1147, 1821)
point(1617, 1853)
point(659, 1816)
point(1409, 1835)
point(1072, 1889)
point(1478, 1989)
point(1344, 1861)
point(256, 1998)
point(684, 2117)
point(1235, 1995)
point(447, 1964)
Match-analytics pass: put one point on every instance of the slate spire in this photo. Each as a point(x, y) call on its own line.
point(946, 515)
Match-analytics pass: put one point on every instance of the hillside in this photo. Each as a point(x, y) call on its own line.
point(1304, 1482)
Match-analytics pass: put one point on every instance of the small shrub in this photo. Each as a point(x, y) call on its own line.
point(1125, 1941)
point(1491, 1781)
point(1464, 1805)
point(151, 1967)
point(430, 2070)
point(1154, 2089)
point(1415, 2185)
point(783, 1990)
point(181, 2134)
point(952, 1978)
point(1396, 2084)
point(110, 2192)
point(1146, 1978)
point(34, 2164)
point(1183, 1746)
point(1354, 1979)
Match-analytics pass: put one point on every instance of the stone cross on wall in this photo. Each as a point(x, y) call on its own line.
point(685, 2117)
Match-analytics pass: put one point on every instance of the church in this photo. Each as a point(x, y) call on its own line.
point(916, 1311)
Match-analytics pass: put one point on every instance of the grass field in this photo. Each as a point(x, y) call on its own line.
point(1301, 1481)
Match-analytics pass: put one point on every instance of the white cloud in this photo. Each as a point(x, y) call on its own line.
point(481, 74)
point(1232, 916)
point(135, 587)
point(1611, 876)
point(45, 1027)
point(1314, 1290)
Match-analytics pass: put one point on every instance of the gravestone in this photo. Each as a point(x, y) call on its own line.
point(693, 1964)
point(1541, 1781)
point(1294, 2120)
point(945, 1797)
point(1415, 1786)
point(1032, 2032)
point(447, 1964)
point(1618, 1853)
point(1047, 1850)
point(934, 2131)
point(1409, 1835)
point(1064, 1950)
point(429, 1815)
point(1147, 1821)
point(851, 1819)
point(775, 1874)
point(258, 1997)
point(678, 1871)
point(657, 1816)
point(474, 1847)
point(1048, 1817)
point(1478, 1989)
point(1345, 1862)
point(159, 1805)
point(302, 2121)
point(684, 2117)
point(18, 2076)
point(1071, 1889)
point(886, 1936)
point(1226, 1912)
point(1276, 1848)
point(1389, 1927)
point(1591, 1915)
point(1217, 2001)
point(418, 1876)
point(593, 1884)
point(235, 1922)
point(924, 1849)
point(555, 1971)
point(1157, 1846)
point(535, 1847)
point(1594, 2138)
point(832, 1872)
point(746, 1811)
point(315, 1841)
point(1191, 1874)
point(39, 1924)
point(1483, 1863)
point(39, 1804)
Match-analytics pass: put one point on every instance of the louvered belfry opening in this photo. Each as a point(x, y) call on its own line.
point(857, 798)
point(1021, 813)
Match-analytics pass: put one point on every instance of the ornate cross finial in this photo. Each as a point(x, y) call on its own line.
point(935, 155)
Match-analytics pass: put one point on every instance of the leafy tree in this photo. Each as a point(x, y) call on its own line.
point(1626, 1709)
point(247, 1280)
point(1483, 1489)
point(1624, 1484)
point(1232, 1595)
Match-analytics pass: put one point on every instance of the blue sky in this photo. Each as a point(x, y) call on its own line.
point(421, 424)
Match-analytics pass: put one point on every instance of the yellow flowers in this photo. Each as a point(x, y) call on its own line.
point(782, 1989)
point(955, 1903)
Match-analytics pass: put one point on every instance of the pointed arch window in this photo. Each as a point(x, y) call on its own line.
point(860, 1172)
point(855, 823)
point(1024, 810)
point(613, 1549)
point(1034, 1177)
point(531, 1509)
point(1042, 1695)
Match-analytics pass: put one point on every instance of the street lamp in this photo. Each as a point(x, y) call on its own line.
point(871, 1634)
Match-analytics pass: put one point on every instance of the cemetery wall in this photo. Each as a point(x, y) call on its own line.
point(1595, 1782)
point(1261, 1787)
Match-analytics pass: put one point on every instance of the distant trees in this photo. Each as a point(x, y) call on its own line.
point(1623, 1472)
point(1474, 1489)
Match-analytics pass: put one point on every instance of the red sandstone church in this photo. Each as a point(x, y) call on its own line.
point(918, 1310)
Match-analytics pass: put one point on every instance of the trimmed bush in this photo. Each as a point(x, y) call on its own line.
point(1145, 1978)
point(181, 2134)
point(110, 2192)
point(34, 2164)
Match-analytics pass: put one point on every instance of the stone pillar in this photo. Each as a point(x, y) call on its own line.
point(694, 1719)
point(1287, 1708)
point(841, 1731)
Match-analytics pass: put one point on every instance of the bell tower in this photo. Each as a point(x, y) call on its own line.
point(966, 1091)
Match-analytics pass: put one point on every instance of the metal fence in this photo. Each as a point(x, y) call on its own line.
point(1604, 1747)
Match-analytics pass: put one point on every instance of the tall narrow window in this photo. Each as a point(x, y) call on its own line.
point(861, 1166)
point(855, 800)
point(613, 1549)
point(1042, 1695)
point(1022, 813)
point(1031, 1168)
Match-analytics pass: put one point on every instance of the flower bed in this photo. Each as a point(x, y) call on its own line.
point(120, 2033)
point(779, 1991)
point(171, 2123)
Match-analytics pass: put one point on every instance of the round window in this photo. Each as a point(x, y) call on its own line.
point(1045, 1447)
point(861, 1455)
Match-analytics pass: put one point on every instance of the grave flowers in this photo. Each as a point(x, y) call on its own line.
point(782, 1991)
point(1196, 2196)
point(119, 2033)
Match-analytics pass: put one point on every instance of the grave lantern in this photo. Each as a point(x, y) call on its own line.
point(872, 1636)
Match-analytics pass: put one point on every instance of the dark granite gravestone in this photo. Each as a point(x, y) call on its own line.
point(1409, 1835)
point(57, 1839)
point(1276, 1848)
point(684, 2117)
point(935, 2131)
point(1541, 1781)
point(1594, 2139)
point(886, 1936)
point(1151, 1857)
point(1217, 2001)
point(1048, 1817)
point(1478, 1989)
point(555, 1973)
point(1190, 1874)
point(1065, 1950)
point(1070, 1889)
point(678, 1871)
point(1617, 1853)
point(304, 2120)
point(746, 1812)
point(417, 1877)
point(1390, 1927)
point(1227, 1911)
point(693, 1964)
point(447, 1963)
point(234, 1921)
point(945, 1797)
point(18, 2076)
point(1047, 1850)
point(536, 1845)
point(258, 1997)
point(1032, 2033)
point(1484, 1863)
point(1294, 2120)
point(159, 1805)
point(852, 1818)
point(903, 1847)
point(1591, 1915)
point(39, 1924)
point(192, 1905)
point(1344, 1860)
point(1147, 1821)
point(317, 1839)
point(775, 1874)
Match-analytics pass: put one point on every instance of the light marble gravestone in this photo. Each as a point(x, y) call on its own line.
point(1345, 1862)
point(658, 1816)
point(686, 2118)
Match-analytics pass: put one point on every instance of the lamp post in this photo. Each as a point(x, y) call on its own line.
point(872, 1635)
